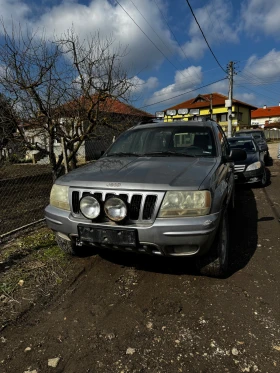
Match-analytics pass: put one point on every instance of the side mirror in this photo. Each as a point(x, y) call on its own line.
point(237, 155)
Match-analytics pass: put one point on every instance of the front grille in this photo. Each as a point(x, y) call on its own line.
point(142, 206)
point(149, 207)
point(239, 168)
point(75, 202)
point(134, 208)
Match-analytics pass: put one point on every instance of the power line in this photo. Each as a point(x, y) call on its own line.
point(150, 25)
point(158, 36)
point(254, 80)
point(163, 16)
point(205, 36)
point(250, 89)
point(182, 94)
point(150, 39)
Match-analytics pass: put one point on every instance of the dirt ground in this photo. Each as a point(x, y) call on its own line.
point(119, 313)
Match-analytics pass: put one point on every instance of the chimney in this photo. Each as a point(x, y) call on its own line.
point(264, 106)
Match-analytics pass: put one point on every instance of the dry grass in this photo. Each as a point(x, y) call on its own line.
point(31, 268)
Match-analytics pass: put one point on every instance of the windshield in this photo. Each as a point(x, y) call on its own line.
point(247, 145)
point(169, 140)
point(256, 134)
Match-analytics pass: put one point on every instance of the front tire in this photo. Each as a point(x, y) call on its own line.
point(267, 158)
point(215, 262)
point(263, 181)
point(66, 245)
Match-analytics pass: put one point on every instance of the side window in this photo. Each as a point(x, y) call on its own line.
point(223, 141)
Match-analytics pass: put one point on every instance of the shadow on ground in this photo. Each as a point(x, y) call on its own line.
point(243, 229)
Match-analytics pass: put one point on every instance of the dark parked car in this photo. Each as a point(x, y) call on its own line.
point(259, 137)
point(252, 169)
point(160, 189)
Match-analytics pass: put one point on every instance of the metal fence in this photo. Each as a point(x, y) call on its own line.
point(25, 188)
point(272, 134)
point(24, 193)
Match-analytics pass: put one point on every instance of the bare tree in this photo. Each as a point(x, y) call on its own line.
point(61, 88)
point(7, 127)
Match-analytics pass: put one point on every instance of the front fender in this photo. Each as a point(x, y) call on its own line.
point(222, 193)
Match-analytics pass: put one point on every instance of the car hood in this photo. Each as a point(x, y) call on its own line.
point(156, 173)
point(251, 158)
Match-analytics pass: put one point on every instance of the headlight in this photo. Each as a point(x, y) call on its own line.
point(254, 166)
point(59, 197)
point(90, 207)
point(116, 209)
point(180, 204)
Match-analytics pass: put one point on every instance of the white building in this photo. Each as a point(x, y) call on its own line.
point(265, 115)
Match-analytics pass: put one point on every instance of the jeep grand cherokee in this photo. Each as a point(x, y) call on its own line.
point(160, 189)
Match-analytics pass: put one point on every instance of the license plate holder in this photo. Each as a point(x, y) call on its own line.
point(108, 236)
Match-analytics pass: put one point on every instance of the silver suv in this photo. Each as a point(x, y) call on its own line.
point(160, 189)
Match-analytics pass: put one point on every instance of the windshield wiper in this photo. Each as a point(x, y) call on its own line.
point(167, 153)
point(123, 154)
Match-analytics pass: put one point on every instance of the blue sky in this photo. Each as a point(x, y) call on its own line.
point(166, 53)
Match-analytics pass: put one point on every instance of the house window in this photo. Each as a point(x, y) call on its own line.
point(239, 116)
point(223, 117)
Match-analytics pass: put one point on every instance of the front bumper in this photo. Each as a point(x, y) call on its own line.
point(249, 177)
point(168, 237)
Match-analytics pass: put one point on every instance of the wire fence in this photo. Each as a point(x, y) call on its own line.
point(25, 187)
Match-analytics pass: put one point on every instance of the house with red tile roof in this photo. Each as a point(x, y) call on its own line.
point(213, 105)
point(108, 105)
point(266, 117)
point(116, 113)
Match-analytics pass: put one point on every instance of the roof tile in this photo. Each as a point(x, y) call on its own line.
point(217, 100)
point(272, 111)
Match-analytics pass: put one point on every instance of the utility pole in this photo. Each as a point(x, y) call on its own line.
point(229, 103)
point(211, 106)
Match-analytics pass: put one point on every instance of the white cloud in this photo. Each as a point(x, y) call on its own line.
point(184, 80)
point(261, 16)
point(257, 75)
point(248, 98)
point(14, 11)
point(109, 19)
point(219, 87)
point(265, 69)
point(217, 24)
point(152, 83)
point(140, 85)
point(194, 48)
